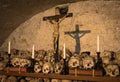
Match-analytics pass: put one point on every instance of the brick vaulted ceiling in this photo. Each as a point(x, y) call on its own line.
point(15, 12)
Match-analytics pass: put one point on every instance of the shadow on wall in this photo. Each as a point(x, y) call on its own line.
point(77, 34)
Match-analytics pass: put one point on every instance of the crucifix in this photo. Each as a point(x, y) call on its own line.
point(77, 34)
point(60, 14)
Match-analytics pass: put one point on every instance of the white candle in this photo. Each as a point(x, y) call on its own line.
point(33, 52)
point(9, 47)
point(98, 44)
point(64, 56)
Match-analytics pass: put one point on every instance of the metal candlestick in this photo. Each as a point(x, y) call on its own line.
point(9, 61)
point(65, 70)
point(98, 64)
point(32, 65)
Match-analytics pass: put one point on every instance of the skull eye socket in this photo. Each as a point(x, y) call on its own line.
point(109, 70)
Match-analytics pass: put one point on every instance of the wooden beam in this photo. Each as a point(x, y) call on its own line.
point(67, 77)
point(57, 16)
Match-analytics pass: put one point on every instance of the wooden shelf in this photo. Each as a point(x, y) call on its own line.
point(69, 77)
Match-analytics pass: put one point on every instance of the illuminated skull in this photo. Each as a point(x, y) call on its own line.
point(47, 68)
point(74, 62)
point(58, 67)
point(38, 66)
point(105, 60)
point(47, 58)
point(15, 62)
point(55, 80)
point(107, 54)
point(46, 80)
point(112, 70)
point(66, 80)
point(88, 62)
point(25, 63)
point(84, 54)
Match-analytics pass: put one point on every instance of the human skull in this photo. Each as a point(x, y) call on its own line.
point(112, 70)
point(50, 52)
point(46, 80)
point(84, 54)
point(25, 63)
point(55, 80)
point(2, 78)
point(25, 54)
point(74, 62)
point(47, 58)
point(105, 60)
point(107, 53)
point(38, 66)
point(14, 52)
point(66, 80)
point(11, 79)
point(36, 80)
point(117, 58)
point(47, 68)
point(40, 55)
point(58, 67)
point(88, 62)
point(15, 62)
point(2, 65)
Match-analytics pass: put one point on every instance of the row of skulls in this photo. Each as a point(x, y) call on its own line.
point(4, 78)
point(45, 61)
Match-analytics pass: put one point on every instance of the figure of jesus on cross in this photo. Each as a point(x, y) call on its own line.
point(55, 21)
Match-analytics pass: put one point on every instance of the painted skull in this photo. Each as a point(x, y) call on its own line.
point(88, 62)
point(25, 63)
point(15, 62)
point(58, 67)
point(74, 62)
point(47, 68)
point(112, 70)
point(55, 80)
point(38, 66)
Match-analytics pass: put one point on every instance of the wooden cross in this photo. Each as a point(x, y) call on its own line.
point(76, 35)
point(55, 20)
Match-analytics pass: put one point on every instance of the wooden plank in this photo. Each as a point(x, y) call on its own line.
point(69, 77)
point(13, 69)
point(86, 72)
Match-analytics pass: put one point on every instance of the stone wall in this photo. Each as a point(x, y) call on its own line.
point(100, 17)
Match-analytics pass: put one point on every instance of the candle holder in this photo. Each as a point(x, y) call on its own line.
point(65, 70)
point(32, 65)
point(98, 64)
point(9, 61)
